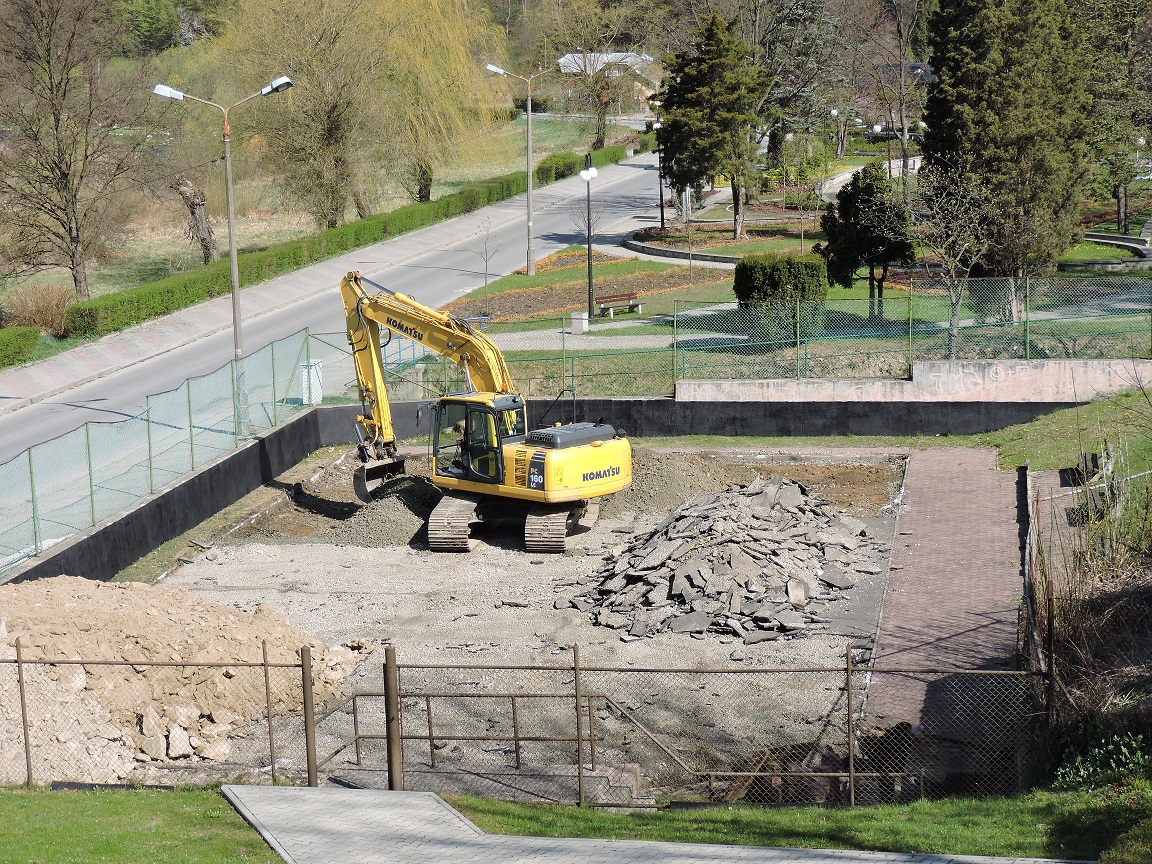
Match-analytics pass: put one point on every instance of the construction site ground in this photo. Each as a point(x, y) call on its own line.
point(362, 575)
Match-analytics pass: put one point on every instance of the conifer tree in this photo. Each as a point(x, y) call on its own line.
point(866, 227)
point(708, 112)
point(1010, 103)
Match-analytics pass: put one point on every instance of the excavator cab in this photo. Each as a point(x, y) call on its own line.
point(471, 432)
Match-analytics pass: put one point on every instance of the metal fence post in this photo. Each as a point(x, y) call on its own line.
point(91, 474)
point(232, 366)
point(392, 720)
point(268, 701)
point(24, 712)
point(35, 508)
point(579, 723)
point(309, 714)
point(148, 427)
point(911, 326)
point(851, 727)
point(276, 402)
point(1027, 318)
point(191, 427)
point(796, 327)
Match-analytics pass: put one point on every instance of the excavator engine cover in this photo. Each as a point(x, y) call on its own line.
point(571, 435)
point(370, 475)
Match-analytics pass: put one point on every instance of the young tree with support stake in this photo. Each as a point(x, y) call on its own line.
point(708, 113)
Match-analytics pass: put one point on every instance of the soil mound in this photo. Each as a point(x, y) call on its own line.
point(396, 517)
point(102, 719)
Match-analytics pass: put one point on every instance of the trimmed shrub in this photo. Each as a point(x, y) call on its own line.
point(17, 344)
point(769, 277)
point(557, 167)
point(783, 294)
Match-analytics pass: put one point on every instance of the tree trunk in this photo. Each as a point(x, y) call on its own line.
point(363, 211)
point(737, 210)
point(199, 230)
point(80, 278)
point(880, 291)
point(602, 120)
point(423, 181)
point(871, 292)
point(956, 296)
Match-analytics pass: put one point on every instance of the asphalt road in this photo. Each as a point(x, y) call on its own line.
point(435, 265)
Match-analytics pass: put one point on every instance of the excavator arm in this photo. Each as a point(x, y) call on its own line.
point(477, 355)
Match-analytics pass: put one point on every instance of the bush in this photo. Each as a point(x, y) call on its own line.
point(17, 344)
point(557, 167)
point(540, 104)
point(769, 277)
point(1132, 847)
point(784, 296)
point(39, 306)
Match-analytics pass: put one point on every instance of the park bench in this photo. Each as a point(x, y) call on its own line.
point(610, 303)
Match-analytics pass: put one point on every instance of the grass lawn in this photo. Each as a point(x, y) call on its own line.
point(1086, 250)
point(1039, 824)
point(518, 281)
point(126, 827)
point(194, 826)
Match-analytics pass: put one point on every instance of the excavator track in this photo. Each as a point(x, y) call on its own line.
point(450, 525)
point(546, 526)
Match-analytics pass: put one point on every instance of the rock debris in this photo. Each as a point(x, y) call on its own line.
point(760, 561)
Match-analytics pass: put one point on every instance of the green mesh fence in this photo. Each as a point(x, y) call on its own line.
point(66, 485)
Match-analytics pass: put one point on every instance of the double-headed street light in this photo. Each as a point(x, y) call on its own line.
point(279, 85)
point(588, 175)
point(496, 70)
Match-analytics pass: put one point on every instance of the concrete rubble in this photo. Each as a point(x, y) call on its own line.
point(761, 562)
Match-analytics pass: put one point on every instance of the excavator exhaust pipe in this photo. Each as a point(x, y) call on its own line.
point(371, 475)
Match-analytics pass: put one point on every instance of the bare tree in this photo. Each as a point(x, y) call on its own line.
point(199, 230)
point(484, 247)
point(76, 131)
point(954, 226)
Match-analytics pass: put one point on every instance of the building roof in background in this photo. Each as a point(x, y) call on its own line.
point(592, 62)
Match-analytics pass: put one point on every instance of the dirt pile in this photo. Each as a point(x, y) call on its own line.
point(760, 561)
point(396, 517)
point(102, 719)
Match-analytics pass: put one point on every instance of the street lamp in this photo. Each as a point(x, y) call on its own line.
point(588, 175)
point(279, 85)
point(657, 126)
point(496, 70)
point(835, 134)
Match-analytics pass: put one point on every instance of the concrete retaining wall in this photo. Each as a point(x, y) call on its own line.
point(1021, 381)
point(669, 417)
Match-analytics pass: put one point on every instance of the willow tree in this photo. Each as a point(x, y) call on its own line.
point(374, 92)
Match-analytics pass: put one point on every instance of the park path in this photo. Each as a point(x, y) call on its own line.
point(955, 582)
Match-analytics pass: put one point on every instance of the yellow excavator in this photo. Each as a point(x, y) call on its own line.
point(485, 460)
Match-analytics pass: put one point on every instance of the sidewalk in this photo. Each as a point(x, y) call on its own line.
point(342, 826)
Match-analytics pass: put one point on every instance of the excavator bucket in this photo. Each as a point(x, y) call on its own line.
point(371, 475)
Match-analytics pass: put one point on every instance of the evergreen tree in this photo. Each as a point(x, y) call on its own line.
point(1010, 103)
point(866, 227)
point(708, 112)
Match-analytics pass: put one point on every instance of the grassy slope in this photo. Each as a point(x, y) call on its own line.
point(126, 827)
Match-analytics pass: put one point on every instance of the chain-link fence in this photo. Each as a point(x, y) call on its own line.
point(620, 736)
point(145, 721)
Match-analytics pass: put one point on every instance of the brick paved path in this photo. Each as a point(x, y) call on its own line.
point(953, 592)
point(346, 826)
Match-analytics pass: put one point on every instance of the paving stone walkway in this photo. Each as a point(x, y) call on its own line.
point(345, 826)
point(952, 596)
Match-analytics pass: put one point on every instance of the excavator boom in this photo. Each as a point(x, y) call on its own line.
point(483, 365)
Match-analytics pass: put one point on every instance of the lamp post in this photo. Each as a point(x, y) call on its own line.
point(660, 170)
point(588, 175)
point(496, 70)
point(279, 85)
point(835, 134)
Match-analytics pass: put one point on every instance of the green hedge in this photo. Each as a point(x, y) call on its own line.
point(114, 312)
point(17, 344)
point(771, 277)
point(123, 309)
point(785, 294)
